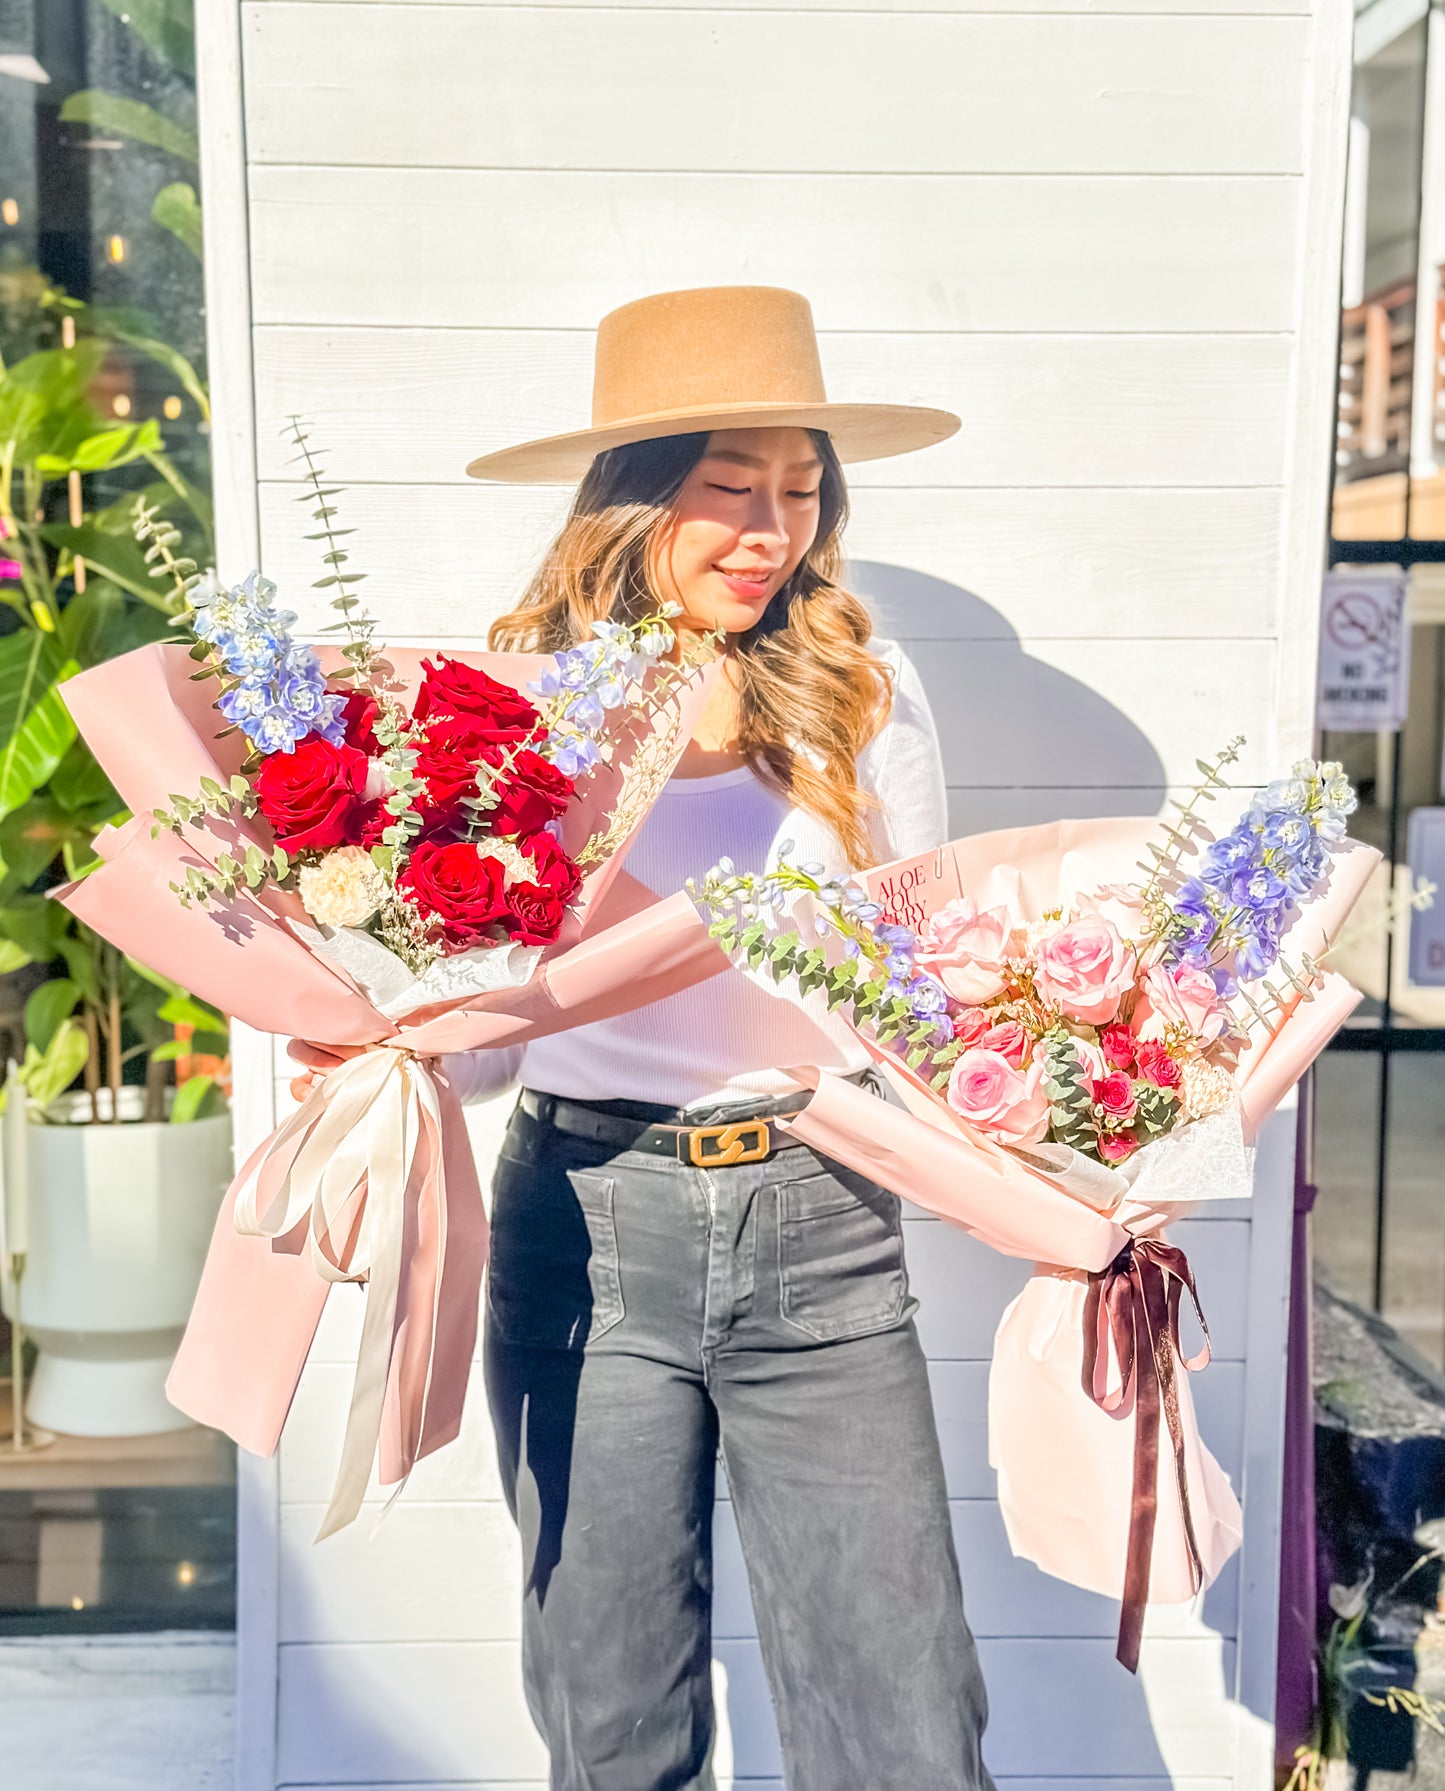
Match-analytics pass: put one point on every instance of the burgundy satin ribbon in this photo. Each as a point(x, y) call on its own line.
point(1134, 1305)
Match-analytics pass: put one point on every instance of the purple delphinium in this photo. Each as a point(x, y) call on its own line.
point(1229, 917)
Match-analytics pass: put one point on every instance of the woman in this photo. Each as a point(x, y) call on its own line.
point(671, 1276)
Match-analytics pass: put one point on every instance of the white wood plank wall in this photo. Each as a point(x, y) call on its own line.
point(1105, 232)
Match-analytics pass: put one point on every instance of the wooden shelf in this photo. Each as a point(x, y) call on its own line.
point(191, 1457)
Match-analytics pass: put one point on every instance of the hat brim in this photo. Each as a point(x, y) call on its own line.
point(858, 432)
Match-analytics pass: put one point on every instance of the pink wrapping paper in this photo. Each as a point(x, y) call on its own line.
point(260, 1301)
point(1065, 1465)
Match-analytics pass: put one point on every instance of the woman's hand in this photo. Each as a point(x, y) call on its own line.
point(319, 1060)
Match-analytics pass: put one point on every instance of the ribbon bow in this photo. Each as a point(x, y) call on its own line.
point(362, 1165)
point(1133, 1306)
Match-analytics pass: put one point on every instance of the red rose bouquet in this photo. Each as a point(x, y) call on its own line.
point(413, 855)
point(415, 825)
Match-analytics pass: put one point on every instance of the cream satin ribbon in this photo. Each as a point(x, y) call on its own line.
point(342, 1165)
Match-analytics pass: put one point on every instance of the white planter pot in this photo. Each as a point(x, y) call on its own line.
point(116, 1226)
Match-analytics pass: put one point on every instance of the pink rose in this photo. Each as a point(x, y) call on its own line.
point(965, 949)
point(970, 1024)
point(1157, 1066)
point(1114, 1147)
point(1009, 1039)
point(1115, 1094)
point(1117, 1044)
point(1117, 903)
point(1007, 1104)
point(1092, 1059)
point(1180, 995)
point(1084, 969)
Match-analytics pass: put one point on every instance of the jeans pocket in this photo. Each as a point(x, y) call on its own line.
point(840, 1256)
point(554, 1279)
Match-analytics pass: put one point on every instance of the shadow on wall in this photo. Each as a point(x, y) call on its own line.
point(1022, 741)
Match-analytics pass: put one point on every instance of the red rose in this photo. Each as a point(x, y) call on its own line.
point(498, 712)
point(1115, 1094)
point(1114, 1147)
point(535, 915)
point(970, 1024)
point(555, 870)
point(1009, 1039)
point(358, 718)
point(1117, 1044)
point(1157, 1066)
point(537, 908)
point(314, 797)
point(447, 762)
point(456, 888)
point(530, 793)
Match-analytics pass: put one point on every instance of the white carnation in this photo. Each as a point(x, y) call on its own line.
point(1204, 1088)
point(343, 888)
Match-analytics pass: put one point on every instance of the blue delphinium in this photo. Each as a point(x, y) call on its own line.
point(279, 695)
point(585, 682)
point(1229, 917)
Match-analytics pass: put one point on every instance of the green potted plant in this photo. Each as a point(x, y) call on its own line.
point(111, 1186)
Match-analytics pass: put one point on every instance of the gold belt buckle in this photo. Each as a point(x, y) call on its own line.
point(729, 1140)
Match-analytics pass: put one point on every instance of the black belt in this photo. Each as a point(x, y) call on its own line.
point(748, 1140)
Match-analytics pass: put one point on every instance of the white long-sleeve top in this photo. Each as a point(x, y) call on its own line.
point(729, 1038)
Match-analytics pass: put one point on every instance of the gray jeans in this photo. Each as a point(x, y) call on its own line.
point(642, 1316)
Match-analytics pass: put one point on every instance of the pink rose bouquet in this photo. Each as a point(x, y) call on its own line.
point(1060, 1027)
point(1073, 1059)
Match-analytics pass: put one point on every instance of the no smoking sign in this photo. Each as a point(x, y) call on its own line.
point(1364, 652)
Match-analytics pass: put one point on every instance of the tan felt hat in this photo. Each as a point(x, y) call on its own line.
point(717, 357)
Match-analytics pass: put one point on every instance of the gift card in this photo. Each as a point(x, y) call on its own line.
point(911, 889)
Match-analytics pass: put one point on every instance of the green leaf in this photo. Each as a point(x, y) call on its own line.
point(43, 399)
point(185, 1010)
point(79, 782)
point(79, 951)
point(42, 738)
point(189, 1098)
point(154, 977)
point(13, 957)
point(177, 209)
point(33, 837)
point(48, 1074)
point(113, 115)
point(48, 1005)
point(29, 663)
point(211, 1044)
point(34, 926)
point(101, 451)
point(165, 27)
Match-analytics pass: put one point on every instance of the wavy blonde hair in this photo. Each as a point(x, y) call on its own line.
point(810, 694)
